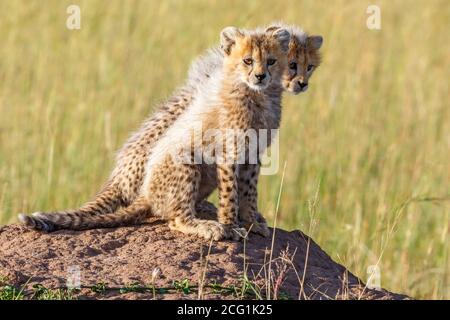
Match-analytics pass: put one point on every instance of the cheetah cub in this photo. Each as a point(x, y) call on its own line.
point(244, 94)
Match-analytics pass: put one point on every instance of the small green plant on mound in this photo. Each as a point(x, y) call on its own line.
point(42, 293)
point(9, 292)
point(133, 287)
point(100, 287)
point(37, 292)
point(182, 286)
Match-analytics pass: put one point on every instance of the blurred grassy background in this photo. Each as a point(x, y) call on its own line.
point(371, 134)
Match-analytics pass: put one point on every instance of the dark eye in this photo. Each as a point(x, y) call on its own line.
point(293, 65)
point(248, 61)
point(310, 67)
point(271, 62)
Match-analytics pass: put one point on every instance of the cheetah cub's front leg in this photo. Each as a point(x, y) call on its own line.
point(172, 191)
point(227, 213)
point(249, 217)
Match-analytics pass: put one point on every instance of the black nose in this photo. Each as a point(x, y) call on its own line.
point(261, 76)
point(302, 84)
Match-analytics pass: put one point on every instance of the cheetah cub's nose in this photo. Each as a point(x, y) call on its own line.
point(302, 85)
point(261, 76)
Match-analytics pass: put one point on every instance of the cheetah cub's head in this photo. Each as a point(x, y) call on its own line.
point(303, 58)
point(256, 58)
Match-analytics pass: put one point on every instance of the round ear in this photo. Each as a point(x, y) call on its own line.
point(271, 29)
point(315, 42)
point(283, 36)
point(228, 38)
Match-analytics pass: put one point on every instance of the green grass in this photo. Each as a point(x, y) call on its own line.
point(371, 135)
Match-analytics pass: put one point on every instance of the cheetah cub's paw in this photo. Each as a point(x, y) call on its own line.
point(235, 232)
point(212, 230)
point(207, 229)
point(258, 227)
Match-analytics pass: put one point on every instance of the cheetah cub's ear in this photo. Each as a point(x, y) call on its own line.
point(228, 38)
point(315, 42)
point(282, 35)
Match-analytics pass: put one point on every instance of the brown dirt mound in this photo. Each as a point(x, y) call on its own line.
point(122, 256)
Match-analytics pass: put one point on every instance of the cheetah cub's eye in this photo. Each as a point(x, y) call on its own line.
point(248, 61)
point(293, 65)
point(271, 62)
point(310, 67)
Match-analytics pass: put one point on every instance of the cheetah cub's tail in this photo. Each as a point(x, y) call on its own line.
point(135, 213)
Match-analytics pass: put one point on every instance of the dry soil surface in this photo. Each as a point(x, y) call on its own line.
point(122, 256)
